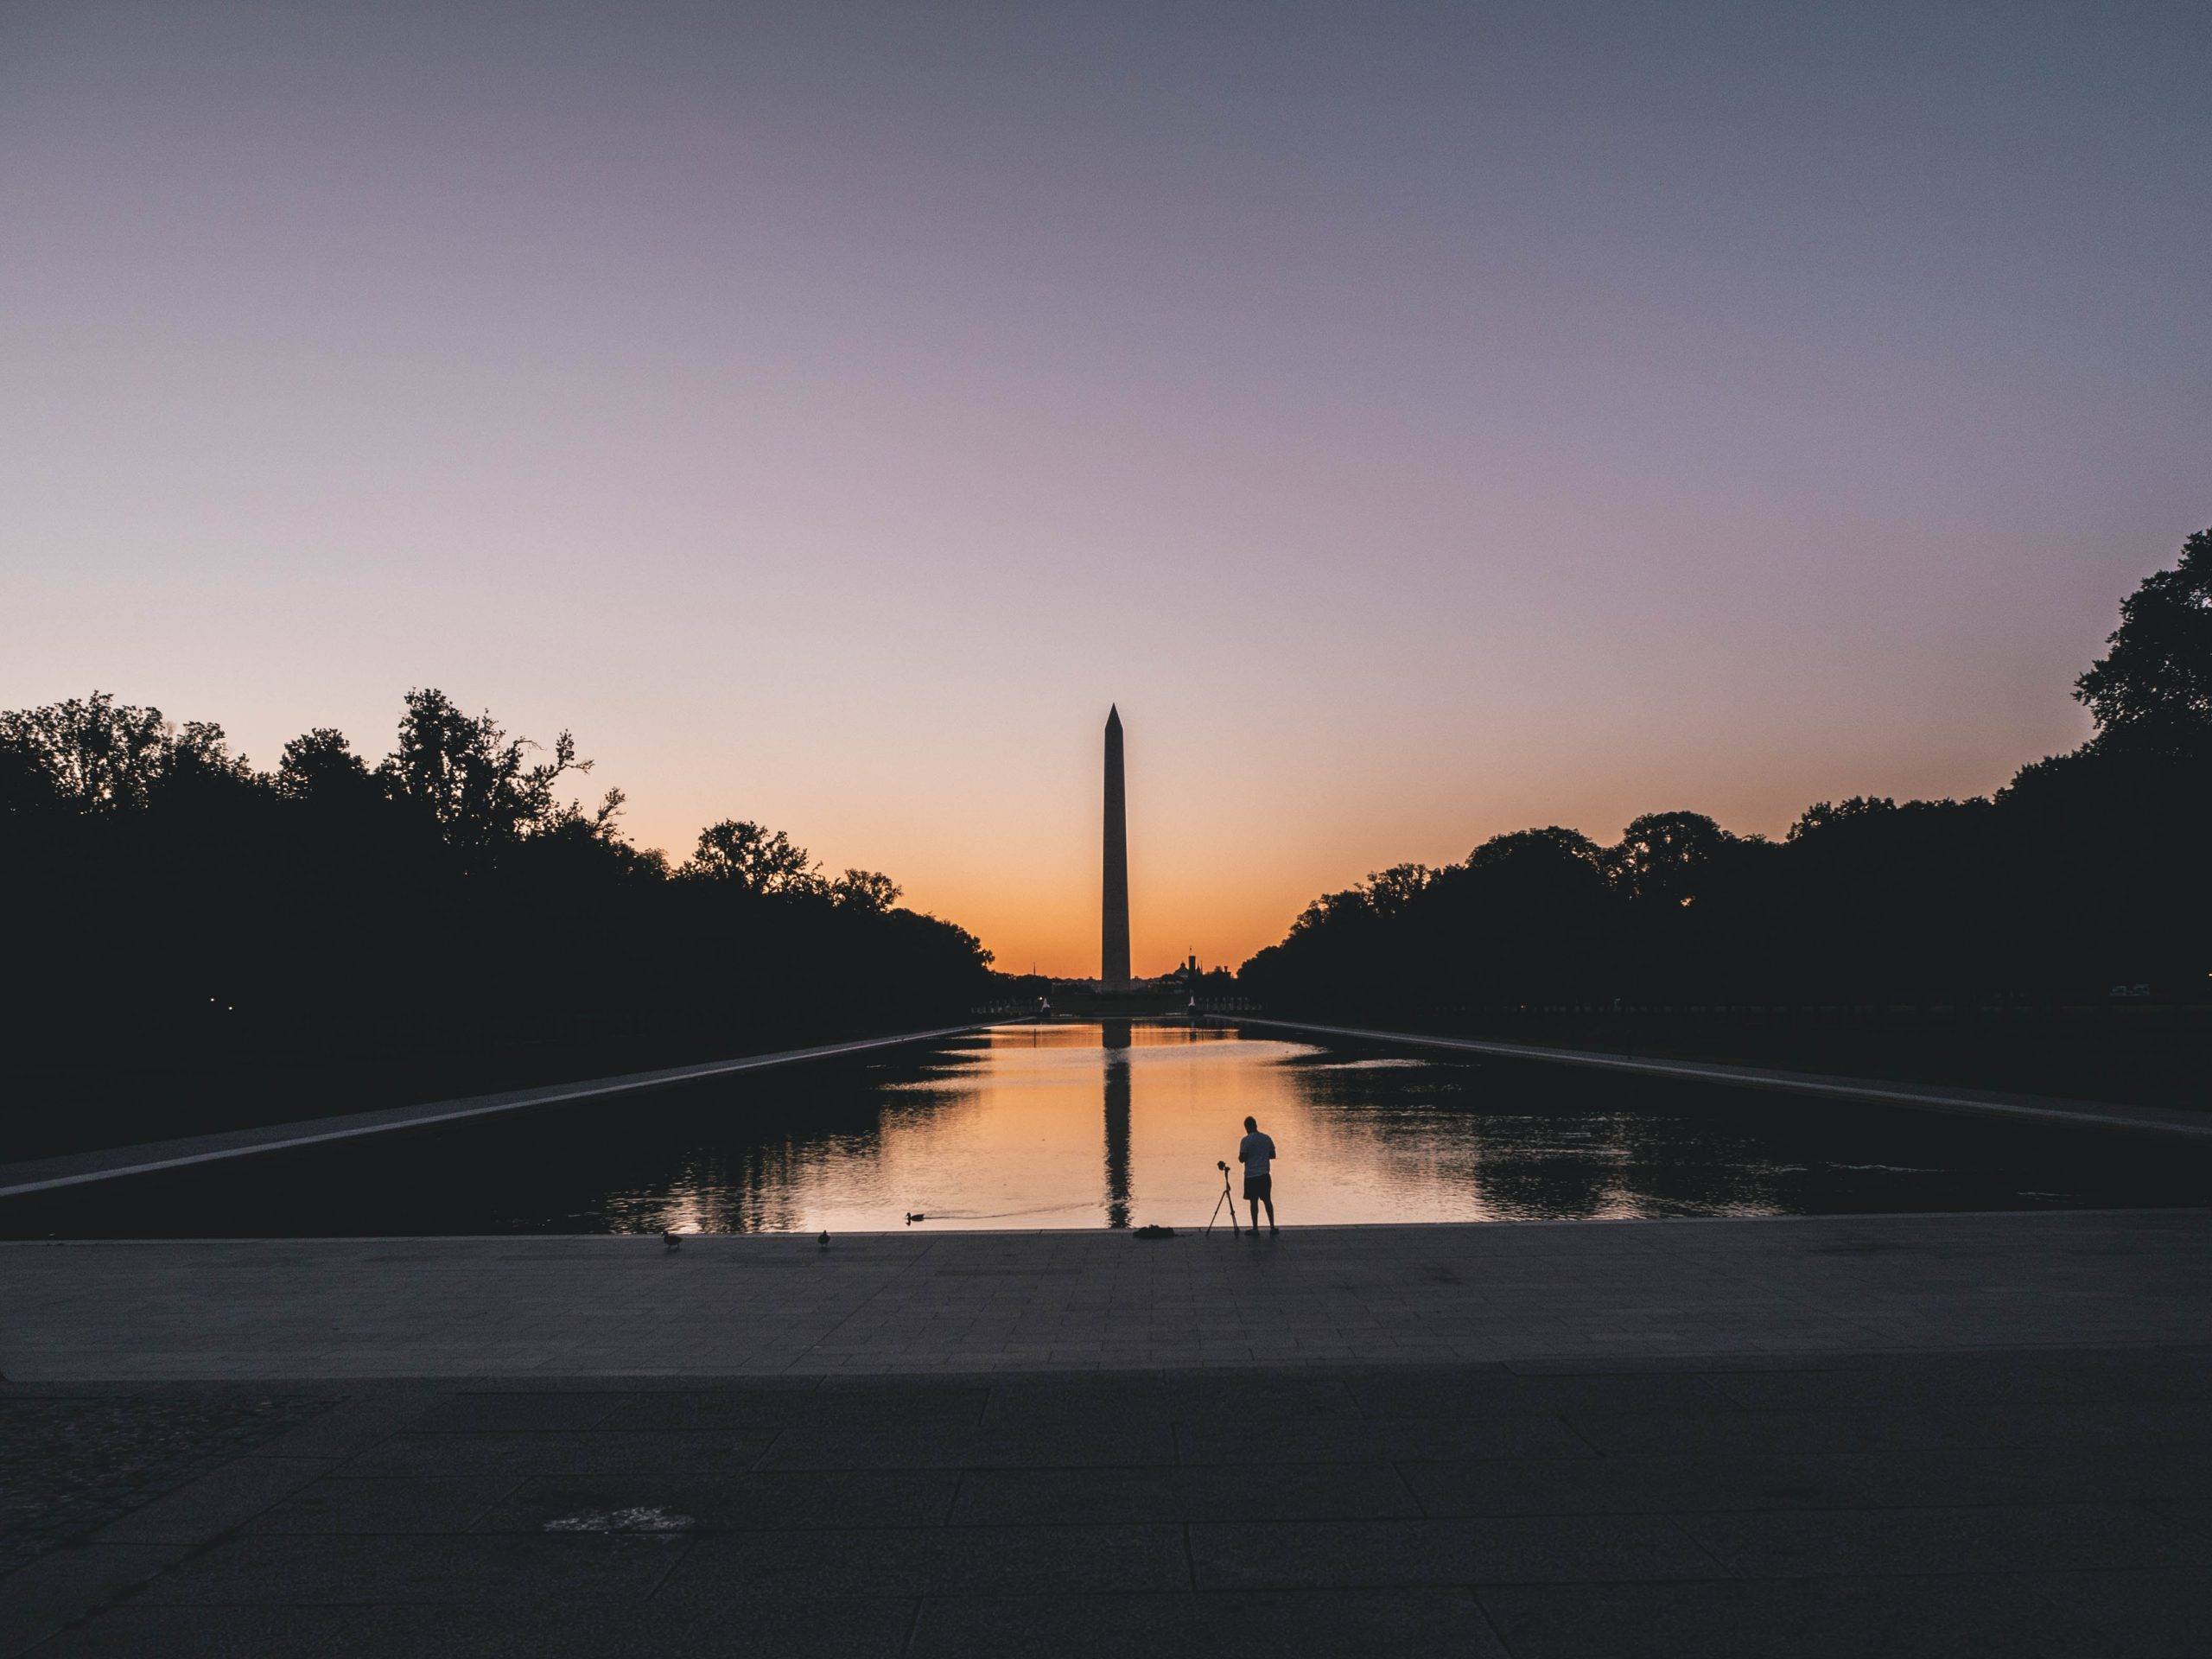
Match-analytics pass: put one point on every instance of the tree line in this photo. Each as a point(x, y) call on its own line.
point(169, 899)
point(2088, 871)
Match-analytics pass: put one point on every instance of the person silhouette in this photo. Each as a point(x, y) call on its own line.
point(1256, 1152)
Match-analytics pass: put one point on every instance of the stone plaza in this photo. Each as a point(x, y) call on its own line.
point(1914, 1435)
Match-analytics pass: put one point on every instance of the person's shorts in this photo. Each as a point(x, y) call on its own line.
point(1259, 1186)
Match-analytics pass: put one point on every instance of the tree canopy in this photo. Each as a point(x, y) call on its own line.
point(2155, 682)
point(2086, 869)
point(181, 903)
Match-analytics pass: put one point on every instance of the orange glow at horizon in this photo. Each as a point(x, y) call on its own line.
point(1229, 841)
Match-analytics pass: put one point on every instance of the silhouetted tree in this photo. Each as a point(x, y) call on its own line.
point(2155, 682)
point(869, 890)
point(182, 905)
point(1533, 905)
point(95, 754)
point(750, 858)
point(474, 782)
point(321, 765)
point(2087, 868)
point(1665, 858)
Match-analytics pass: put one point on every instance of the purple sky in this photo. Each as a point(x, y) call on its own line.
point(1424, 421)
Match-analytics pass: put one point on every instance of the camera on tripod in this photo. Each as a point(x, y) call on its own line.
point(1227, 1197)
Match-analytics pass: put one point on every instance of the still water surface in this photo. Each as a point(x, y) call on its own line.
point(1121, 1123)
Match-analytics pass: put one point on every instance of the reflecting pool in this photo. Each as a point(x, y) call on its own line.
point(1121, 1123)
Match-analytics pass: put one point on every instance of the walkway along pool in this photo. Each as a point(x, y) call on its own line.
point(1121, 1123)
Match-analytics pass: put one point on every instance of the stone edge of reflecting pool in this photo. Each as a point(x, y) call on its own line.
point(656, 1241)
point(1551, 1294)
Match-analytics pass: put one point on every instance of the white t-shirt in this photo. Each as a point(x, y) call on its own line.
point(1253, 1151)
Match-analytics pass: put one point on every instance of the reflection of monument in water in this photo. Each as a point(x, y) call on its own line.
point(1114, 907)
point(1114, 1037)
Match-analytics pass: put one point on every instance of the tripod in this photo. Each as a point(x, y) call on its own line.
point(1227, 1197)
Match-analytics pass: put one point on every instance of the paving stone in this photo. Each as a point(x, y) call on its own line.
point(229, 1496)
point(341, 1570)
point(1273, 1625)
point(1120, 1398)
point(1060, 1497)
point(735, 1408)
point(1251, 1555)
point(347, 1426)
point(1846, 1429)
point(203, 1633)
point(841, 1406)
point(1897, 1618)
point(844, 1629)
point(1243, 1391)
point(2145, 1615)
point(582, 1452)
point(345, 1504)
point(75, 1461)
point(872, 1401)
point(1939, 1478)
point(950, 1446)
point(765, 1501)
point(1349, 1440)
point(1942, 1477)
point(1130, 1416)
point(1317, 1491)
point(2107, 1421)
point(938, 1561)
point(62, 1585)
point(508, 1409)
point(1615, 1486)
point(2196, 1515)
point(1948, 1384)
point(2181, 1375)
point(1844, 1542)
point(1308, 1491)
point(1430, 1392)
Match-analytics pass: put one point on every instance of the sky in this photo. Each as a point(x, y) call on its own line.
point(1424, 421)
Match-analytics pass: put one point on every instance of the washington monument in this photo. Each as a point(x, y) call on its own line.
point(1114, 908)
